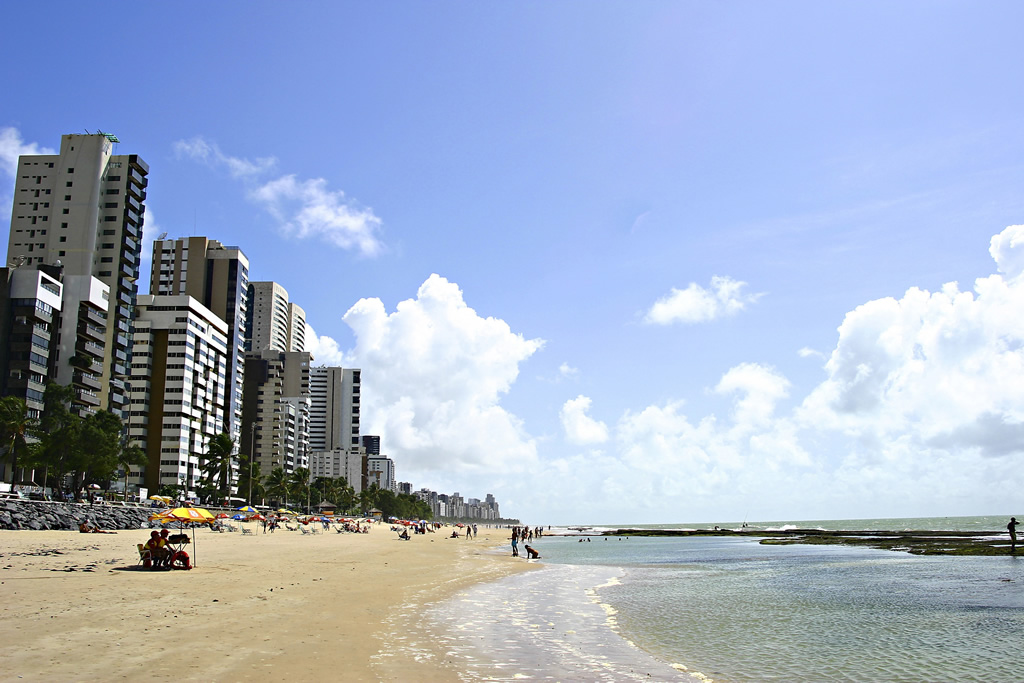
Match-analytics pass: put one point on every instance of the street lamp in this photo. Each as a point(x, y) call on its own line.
point(252, 456)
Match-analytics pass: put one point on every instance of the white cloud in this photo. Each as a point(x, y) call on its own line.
point(695, 304)
point(210, 154)
point(438, 373)
point(579, 427)
point(12, 146)
point(922, 401)
point(304, 208)
point(324, 349)
point(1006, 250)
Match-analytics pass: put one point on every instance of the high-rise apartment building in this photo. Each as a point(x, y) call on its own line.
point(82, 209)
point(275, 409)
point(178, 384)
point(273, 321)
point(380, 470)
point(218, 277)
point(334, 410)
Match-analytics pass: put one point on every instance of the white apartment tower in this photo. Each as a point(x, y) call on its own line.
point(178, 385)
point(82, 209)
point(334, 411)
point(273, 321)
point(218, 277)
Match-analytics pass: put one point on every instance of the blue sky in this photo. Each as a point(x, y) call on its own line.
point(612, 262)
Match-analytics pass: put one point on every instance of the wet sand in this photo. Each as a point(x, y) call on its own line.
point(255, 607)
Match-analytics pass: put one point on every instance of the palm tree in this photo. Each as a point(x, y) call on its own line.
point(253, 486)
point(15, 425)
point(128, 456)
point(368, 497)
point(299, 480)
point(217, 465)
point(278, 486)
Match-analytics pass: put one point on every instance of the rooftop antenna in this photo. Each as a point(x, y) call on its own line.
point(162, 237)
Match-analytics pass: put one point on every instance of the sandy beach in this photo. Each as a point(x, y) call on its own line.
point(255, 607)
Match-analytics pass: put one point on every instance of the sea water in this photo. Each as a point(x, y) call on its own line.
point(732, 610)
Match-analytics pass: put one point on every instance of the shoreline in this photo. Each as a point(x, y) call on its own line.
point(74, 606)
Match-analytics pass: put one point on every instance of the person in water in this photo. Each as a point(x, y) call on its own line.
point(1012, 528)
point(531, 554)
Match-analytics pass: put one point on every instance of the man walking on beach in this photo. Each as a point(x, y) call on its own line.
point(1012, 528)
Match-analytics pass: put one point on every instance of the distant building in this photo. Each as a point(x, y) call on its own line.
point(372, 444)
point(275, 409)
point(272, 321)
point(347, 463)
point(334, 411)
point(380, 470)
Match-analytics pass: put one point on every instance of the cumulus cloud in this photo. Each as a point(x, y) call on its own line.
point(12, 146)
point(566, 371)
point(439, 372)
point(304, 208)
point(695, 304)
point(325, 350)
point(579, 427)
point(1006, 250)
point(925, 388)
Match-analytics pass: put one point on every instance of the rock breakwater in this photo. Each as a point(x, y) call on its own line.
point(40, 515)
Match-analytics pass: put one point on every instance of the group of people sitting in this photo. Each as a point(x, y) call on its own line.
point(161, 555)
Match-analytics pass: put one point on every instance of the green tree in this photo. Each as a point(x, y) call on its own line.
point(99, 447)
point(256, 490)
point(59, 433)
point(299, 484)
point(278, 486)
point(217, 465)
point(129, 456)
point(15, 427)
point(368, 498)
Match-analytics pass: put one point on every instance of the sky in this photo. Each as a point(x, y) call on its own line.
point(612, 262)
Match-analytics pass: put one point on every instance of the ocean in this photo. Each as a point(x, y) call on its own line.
point(731, 610)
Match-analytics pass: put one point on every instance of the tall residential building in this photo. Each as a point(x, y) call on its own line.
point(30, 317)
point(380, 470)
point(83, 209)
point(334, 412)
point(371, 443)
point(347, 463)
point(275, 409)
point(274, 322)
point(178, 384)
point(218, 277)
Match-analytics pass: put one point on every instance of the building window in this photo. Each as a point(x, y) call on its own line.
point(68, 184)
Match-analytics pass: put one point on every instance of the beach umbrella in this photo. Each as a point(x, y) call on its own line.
point(222, 515)
point(185, 515)
point(239, 517)
point(247, 508)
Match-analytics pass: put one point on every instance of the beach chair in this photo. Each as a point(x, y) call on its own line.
point(304, 530)
point(246, 532)
point(289, 527)
point(145, 557)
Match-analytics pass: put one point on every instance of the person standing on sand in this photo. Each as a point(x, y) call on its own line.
point(1012, 528)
